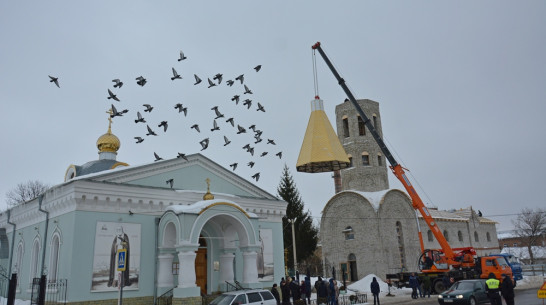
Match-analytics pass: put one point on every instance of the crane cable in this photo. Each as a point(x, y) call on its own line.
point(315, 78)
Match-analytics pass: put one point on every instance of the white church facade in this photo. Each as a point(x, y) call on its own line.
point(209, 230)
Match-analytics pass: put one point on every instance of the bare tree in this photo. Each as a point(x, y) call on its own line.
point(24, 192)
point(530, 225)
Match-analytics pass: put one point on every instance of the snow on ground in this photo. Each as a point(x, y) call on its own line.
point(363, 286)
point(17, 302)
point(531, 281)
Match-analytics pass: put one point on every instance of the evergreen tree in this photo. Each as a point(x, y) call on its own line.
point(306, 233)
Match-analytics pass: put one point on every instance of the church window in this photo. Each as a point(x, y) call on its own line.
point(460, 234)
point(34, 259)
point(476, 237)
point(349, 234)
point(19, 261)
point(401, 244)
point(54, 258)
point(488, 236)
point(446, 235)
point(345, 127)
point(365, 159)
point(374, 121)
point(430, 237)
point(515, 244)
point(379, 160)
point(350, 160)
point(175, 268)
point(361, 127)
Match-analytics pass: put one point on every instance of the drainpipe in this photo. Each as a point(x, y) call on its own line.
point(12, 242)
point(156, 259)
point(40, 199)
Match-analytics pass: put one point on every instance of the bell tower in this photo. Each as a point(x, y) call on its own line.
point(367, 171)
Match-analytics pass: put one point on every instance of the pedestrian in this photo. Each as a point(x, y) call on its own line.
point(419, 288)
point(322, 292)
point(446, 281)
point(336, 289)
point(413, 283)
point(507, 289)
point(426, 285)
point(308, 289)
point(275, 293)
point(285, 291)
point(303, 291)
point(492, 290)
point(374, 288)
point(294, 289)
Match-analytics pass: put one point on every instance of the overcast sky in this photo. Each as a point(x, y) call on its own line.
point(461, 87)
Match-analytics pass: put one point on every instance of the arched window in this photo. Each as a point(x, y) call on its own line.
point(349, 233)
point(365, 159)
point(54, 258)
point(446, 235)
point(460, 235)
point(18, 263)
point(400, 235)
point(361, 127)
point(379, 160)
point(350, 160)
point(374, 117)
point(488, 236)
point(34, 259)
point(476, 238)
point(430, 236)
point(345, 121)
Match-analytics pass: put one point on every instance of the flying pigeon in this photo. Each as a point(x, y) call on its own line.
point(112, 96)
point(247, 147)
point(139, 118)
point(240, 78)
point(218, 113)
point(182, 57)
point(257, 68)
point(139, 140)
point(247, 103)
point(256, 176)
point(148, 108)
point(253, 127)
point(116, 113)
point(279, 154)
point(197, 79)
point(157, 158)
point(218, 77)
point(183, 156)
point(211, 84)
point(54, 80)
point(230, 82)
point(230, 120)
point(171, 182)
point(215, 126)
point(118, 83)
point(260, 108)
point(263, 154)
point(226, 140)
point(269, 141)
point(204, 143)
point(258, 140)
point(247, 90)
point(241, 129)
point(150, 131)
point(251, 164)
point(179, 107)
point(234, 165)
point(141, 81)
point(196, 127)
point(175, 75)
point(258, 132)
point(236, 99)
point(251, 151)
point(164, 124)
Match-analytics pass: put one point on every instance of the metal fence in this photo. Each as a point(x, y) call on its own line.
point(166, 298)
point(344, 299)
point(533, 269)
point(55, 291)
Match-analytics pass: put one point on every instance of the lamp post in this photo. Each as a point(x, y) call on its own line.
point(294, 244)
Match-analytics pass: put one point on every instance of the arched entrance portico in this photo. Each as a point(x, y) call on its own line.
point(214, 244)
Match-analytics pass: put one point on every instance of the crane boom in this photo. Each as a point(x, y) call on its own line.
point(395, 167)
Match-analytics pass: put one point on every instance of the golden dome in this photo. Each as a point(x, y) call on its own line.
point(208, 195)
point(108, 142)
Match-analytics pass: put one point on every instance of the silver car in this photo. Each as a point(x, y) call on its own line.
point(247, 297)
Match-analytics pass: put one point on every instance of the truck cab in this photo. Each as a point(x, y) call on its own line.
point(494, 264)
point(514, 263)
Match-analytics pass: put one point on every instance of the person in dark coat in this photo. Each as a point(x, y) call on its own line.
point(374, 288)
point(275, 293)
point(331, 293)
point(294, 289)
point(446, 281)
point(285, 291)
point(427, 285)
point(507, 289)
point(413, 283)
point(303, 291)
point(322, 291)
point(308, 289)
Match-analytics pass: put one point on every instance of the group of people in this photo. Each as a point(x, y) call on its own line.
point(291, 290)
point(420, 286)
point(494, 286)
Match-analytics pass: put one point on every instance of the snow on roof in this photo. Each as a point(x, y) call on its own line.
point(436, 214)
point(199, 206)
point(523, 253)
point(506, 234)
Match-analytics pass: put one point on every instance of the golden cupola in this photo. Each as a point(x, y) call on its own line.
point(108, 144)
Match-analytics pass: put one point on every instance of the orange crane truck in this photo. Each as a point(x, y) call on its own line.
point(459, 263)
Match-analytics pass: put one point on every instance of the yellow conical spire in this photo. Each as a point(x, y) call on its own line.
point(321, 150)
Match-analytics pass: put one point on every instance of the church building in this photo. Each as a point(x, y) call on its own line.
point(187, 227)
point(379, 231)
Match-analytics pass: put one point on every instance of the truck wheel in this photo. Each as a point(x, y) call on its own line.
point(472, 301)
point(438, 286)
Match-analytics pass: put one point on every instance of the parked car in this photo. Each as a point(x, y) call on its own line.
point(250, 297)
point(470, 292)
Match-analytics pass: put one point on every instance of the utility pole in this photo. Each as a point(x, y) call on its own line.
point(294, 245)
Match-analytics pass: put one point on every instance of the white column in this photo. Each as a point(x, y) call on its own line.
point(186, 273)
point(226, 267)
point(165, 275)
point(250, 269)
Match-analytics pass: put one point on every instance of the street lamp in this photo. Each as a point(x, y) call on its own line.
point(294, 244)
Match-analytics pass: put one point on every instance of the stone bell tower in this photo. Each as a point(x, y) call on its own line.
point(368, 166)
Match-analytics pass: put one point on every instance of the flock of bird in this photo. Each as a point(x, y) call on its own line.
point(244, 97)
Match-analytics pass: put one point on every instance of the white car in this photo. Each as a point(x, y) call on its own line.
point(248, 297)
